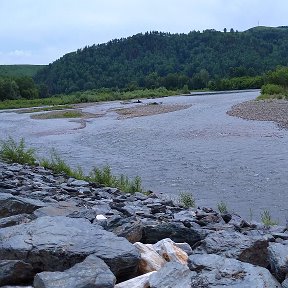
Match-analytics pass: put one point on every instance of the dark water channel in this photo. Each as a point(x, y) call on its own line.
point(200, 150)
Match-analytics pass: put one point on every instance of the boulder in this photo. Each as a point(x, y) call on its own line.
point(278, 259)
point(150, 259)
point(236, 245)
point(92, 273)
point(138, 282)
point(131, 228)
point(13, 272)
point(174, 275)
point(58, 243)
point(13, 205)
point(170, 251)
point(176, 231)
point(217, 271)
point(15, 220)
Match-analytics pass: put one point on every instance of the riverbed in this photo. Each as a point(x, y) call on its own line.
point(199, 149)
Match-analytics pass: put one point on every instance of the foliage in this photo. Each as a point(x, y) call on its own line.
point(267, 219)
point(14, 152)
point(19, 70)
point(272, 89)
point(186, 199)
point(156, 59)
point(222, 207)
point(87, 96)
point(105, 177)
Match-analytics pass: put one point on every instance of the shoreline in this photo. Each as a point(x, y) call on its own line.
point(262, 110)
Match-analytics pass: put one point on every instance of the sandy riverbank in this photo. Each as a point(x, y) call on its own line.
point(262, 110)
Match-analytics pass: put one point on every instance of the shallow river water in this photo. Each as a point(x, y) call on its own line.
point(200, 150)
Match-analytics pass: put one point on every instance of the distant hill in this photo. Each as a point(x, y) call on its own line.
point(19, 70)
point(158, 59)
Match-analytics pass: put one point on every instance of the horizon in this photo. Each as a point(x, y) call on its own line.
point(39, 32)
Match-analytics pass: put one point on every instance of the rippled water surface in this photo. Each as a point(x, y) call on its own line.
point(200, 150)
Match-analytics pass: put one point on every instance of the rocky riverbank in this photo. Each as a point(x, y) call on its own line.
point(263, 110)
point(62, 232)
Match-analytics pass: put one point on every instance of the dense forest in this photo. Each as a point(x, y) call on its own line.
point(19, 70)
point(195, 60)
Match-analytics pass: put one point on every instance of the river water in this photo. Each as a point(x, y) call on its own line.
point(200, 150)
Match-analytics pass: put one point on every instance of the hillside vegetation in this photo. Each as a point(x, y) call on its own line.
point(19, 70)
point(154, 59)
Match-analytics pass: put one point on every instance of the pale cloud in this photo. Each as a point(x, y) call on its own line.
point(45, 30)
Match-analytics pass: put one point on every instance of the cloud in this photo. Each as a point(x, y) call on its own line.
point(20, 53)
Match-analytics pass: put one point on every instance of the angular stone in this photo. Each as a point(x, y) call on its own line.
point(58, 243)
point(13, 272)
point(150, 259)
point(175, 231)
point(62, 208)
point(174, 275)
point(236, 245)
point(137, 282)
point(278, 259)
point(217, 271)
point(92, 273)
point(170, 251)
point(15, 220)
point(79, 183)
point(130, 228)
point(13, 205)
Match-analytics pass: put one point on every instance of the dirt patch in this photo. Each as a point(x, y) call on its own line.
point(262, 110)
point(149, 109)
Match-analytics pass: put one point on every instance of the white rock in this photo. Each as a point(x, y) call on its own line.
point(101, 217)
point(138, 282)
point(150, 259)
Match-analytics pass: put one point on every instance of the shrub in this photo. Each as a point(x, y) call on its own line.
point(222, 207)
point(14, 152)
point(186, 199)
point(272, 89)
point(267, 219)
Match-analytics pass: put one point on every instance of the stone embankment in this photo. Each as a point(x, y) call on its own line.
point(61, 232)
point(263, 110)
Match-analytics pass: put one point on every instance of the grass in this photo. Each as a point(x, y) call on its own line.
point(12, 151)
point(59, 114)
point(222, 207)
point(87, 96)
point(267, 219)
point(52, 108)
point(186, 199)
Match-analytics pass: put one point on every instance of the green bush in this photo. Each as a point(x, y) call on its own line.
point(186, 199)
point(13, 152)
point(272, 89)
point(267, 219)
point(222, 207)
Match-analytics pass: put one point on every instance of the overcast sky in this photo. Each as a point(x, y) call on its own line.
point(41, 31)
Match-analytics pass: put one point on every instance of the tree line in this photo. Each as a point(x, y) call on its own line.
point(155, 59)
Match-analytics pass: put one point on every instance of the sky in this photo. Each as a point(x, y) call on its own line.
point(41, 31)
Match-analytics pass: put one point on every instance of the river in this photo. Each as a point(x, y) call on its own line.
point(200, 150)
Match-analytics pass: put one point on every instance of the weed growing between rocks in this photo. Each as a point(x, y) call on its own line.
point(222, 207)
point(13, 152)
point(186, 199)
point(267, 219)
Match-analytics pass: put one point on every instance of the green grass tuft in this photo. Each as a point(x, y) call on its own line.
point(186, 199)
point(267, 219)
point(12, 151)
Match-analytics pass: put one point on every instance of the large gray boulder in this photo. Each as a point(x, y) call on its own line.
point(278, 259)
point(236, 245)
point(176, 231)
point(92, 273)
point(58, 243)
point(13, 272)
point(172, 274)
point(13, 205)
point(217, 271)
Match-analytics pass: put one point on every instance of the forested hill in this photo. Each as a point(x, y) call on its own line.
point(19, 70)
point(172, 60)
